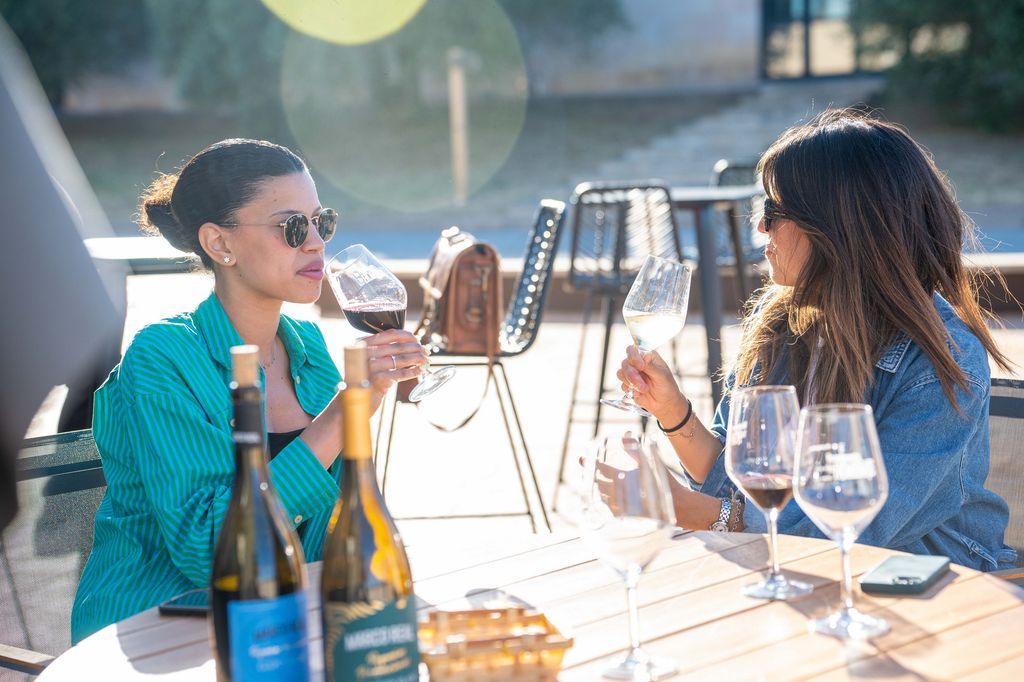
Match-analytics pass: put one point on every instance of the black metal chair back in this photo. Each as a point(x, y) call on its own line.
point(525, 308)
point(1006, 471)
point(43, 551)
point(728, 173)
point(614, 226)
point(518, 332)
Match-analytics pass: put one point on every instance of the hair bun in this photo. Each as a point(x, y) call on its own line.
point(156, 217)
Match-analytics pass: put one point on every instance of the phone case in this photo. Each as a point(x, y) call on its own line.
point(904, 574)
point(192, 603)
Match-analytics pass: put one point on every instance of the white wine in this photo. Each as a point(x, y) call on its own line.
point(650, 330)
point(369, 609)
point(632, 541)
point(257, 587)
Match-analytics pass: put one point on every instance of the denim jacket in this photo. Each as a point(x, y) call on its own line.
point(935, 457)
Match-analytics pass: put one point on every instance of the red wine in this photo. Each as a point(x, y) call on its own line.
point(374, 317)
point(768, 491)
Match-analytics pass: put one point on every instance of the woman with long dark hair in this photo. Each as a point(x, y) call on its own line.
point(249, 211)
point(869, 302)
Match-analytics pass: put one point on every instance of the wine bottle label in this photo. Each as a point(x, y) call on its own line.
point(269, 637)
point(371, 642)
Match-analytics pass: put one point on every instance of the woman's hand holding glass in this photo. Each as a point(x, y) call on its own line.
point(653, 384)
point(395, 355)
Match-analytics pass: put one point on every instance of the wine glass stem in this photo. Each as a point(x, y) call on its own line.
point(847, 586)
point(773, 534)
point(631, 580)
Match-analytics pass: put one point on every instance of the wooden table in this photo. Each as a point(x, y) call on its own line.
point(702, 202)
point(969, 626)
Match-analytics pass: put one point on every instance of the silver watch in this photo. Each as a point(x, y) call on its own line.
point(722, 524)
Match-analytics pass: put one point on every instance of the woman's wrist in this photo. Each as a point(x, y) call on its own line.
point(674, 413)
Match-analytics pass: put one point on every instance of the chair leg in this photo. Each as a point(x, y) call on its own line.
point(491, 376)
point(742, 285)
point(609, 320)
point(387, 452)
point(526, 449)
point(14, 595)
point(588, 303)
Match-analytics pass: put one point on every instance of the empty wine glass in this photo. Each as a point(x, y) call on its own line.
point(374, 300)
point(760, 452)
point(627, 519)
point(841, 485)
point(655, 312)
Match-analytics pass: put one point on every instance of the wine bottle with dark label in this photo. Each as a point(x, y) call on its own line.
point(258, 592)
point(369, 610)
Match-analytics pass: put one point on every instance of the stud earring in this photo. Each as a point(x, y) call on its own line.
point(227, 259)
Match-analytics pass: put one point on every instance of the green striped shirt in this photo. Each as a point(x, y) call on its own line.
point(162, 424)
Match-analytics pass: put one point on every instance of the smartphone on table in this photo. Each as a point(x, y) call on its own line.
point(192, 603)
point(904, 574)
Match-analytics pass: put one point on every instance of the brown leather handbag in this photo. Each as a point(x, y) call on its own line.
point(462, 301)
point(461, 296)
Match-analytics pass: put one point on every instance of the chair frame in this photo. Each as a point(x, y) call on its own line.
point(1013, 407)
point(63, 478)
point(551, 217)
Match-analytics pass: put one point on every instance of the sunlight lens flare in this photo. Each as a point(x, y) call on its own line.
point(346, 22)
point(373, 119)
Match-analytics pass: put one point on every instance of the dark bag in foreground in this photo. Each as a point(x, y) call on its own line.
point(461, 296)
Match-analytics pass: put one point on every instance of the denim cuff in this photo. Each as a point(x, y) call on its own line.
point(753, 519)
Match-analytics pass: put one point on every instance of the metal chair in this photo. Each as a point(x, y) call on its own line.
point(43, 551)
point(517, 334)
point(614, 227)
point(1005, 473)
point(727, 174)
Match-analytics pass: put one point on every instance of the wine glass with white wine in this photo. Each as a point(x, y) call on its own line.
point(841, 485)
point(655, 312)
point(627, 519)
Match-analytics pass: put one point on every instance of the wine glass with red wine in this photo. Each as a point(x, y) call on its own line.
point(760, 455)
point(374, 300)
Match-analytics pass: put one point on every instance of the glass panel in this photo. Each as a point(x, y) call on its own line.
point(833, 48)
point(784, 48)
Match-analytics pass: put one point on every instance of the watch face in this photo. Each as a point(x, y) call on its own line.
point(719, 526)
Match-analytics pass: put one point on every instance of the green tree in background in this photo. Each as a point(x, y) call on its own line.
point(978, 80)
point(67, 39)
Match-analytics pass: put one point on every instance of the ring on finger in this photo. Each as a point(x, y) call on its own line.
point(394, 363)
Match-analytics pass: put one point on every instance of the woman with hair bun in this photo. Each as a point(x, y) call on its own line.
point(249, 210)
point(869, 302)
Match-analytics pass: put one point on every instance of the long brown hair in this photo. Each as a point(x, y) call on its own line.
point(885, 234)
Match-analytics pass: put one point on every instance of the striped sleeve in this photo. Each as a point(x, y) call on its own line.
point(186, 463)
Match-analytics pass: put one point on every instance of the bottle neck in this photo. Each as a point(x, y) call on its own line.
point(249, 434)
point(355, 407)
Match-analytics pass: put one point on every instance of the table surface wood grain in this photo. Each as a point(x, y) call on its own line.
point(968, 626)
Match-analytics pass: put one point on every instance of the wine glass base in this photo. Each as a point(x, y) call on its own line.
point(777, 588)
point(626, 406)
point(641, 669)
point(851, 624)
point(430, 382)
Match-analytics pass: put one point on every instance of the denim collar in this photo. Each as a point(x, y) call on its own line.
point(893, 355)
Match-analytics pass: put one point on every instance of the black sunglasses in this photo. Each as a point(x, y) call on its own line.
point(772, 211)
point(296, 227)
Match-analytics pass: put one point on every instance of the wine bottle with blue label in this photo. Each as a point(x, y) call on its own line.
point(369, 610)
point(258, 592)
